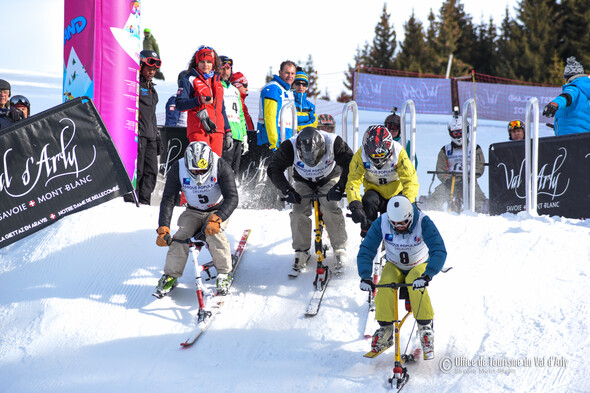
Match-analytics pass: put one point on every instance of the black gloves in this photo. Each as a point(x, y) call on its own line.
point(336, 193)
point(292, 196)
point(367, 285)
point(228, 141)
point(358, 216)
point(357, 212)
point(550, 109)
point(421, 282)
point(208, 124)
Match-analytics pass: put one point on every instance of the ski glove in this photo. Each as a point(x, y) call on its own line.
point(421, 282)
point(367, 285)
point(292, 196)
point(207, 123)
point(550, 109)
point(213, 225)
point(163, 238)
point(365, 226)
point(357, 212)
point(336, 193)
point(228, 141)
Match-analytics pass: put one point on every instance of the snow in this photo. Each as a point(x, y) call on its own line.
point(77, 315)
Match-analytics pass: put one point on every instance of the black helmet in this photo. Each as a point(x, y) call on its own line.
point(21, 101)
point(198, 159)
point(223, 60)
point(393, 122)
point(378, 144)
point(311, 146)
point(150, 58)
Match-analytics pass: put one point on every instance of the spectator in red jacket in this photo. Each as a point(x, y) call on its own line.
point(241, 83)
point(201, 94)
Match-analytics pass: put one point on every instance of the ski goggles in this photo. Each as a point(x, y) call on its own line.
point(153, 62)
point(379, 155)
point(514, 124)
point(457, 133)
point(402, 225)
point(392, 126)
point(229, 63)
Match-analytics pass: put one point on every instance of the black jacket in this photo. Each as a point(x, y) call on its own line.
point(225, 179)
point(148, 99)
point(284, 156)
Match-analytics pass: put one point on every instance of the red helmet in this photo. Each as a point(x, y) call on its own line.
point(378, 144)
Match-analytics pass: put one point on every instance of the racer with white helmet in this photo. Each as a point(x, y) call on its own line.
point(209, 186)
point(415, 253)
point(450, 164)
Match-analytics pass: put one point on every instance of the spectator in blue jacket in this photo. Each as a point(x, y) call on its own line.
point(305, 109)
point(273, 96)
point(571, 108)
point(175, 117)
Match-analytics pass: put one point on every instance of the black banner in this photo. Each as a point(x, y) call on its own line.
point(563, 181)
point(53, 164)
point(175, 141)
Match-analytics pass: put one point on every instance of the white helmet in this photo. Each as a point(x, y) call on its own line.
point(456, 124)
point(198, 159)
point(400, 209)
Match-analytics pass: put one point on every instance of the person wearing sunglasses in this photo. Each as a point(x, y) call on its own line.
point(305, 109)
point(449, 164)
point(235, 115)
point(516, 130)
point(148, 135)
point(382, 167)
point(393, 124)
point(571, 108)
point(415, 253)
point(200, 92)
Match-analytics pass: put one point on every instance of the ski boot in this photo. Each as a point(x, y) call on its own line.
point(382, 339)
point(340, 259)
point(426, 333)
point(223, 283)
point(299, 262)
point(165, 285)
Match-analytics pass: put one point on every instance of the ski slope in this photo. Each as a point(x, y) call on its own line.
point(76, 311)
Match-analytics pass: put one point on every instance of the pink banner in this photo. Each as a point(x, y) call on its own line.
point(101, 60)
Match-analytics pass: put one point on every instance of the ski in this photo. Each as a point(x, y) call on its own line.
point(320, 284)
point(206, 316)
point(373, 354)
point(371, 325)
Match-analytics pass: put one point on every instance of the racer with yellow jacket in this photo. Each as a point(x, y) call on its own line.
point(383, 168)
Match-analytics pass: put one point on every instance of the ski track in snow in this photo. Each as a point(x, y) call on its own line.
point(77, 312)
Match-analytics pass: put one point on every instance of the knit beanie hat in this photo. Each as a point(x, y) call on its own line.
point(206, 53)
point(301, 76)
point(572, 68)
point(4, 85)
point(238, 79)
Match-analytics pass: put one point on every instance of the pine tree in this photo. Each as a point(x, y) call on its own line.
point(507, 47)
point(413, 54)
point(360, 60)
point(384, 43)
point(447, 41)
point(269, 76)
point(574, 31)
point(484, 56)
point(313, 88)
